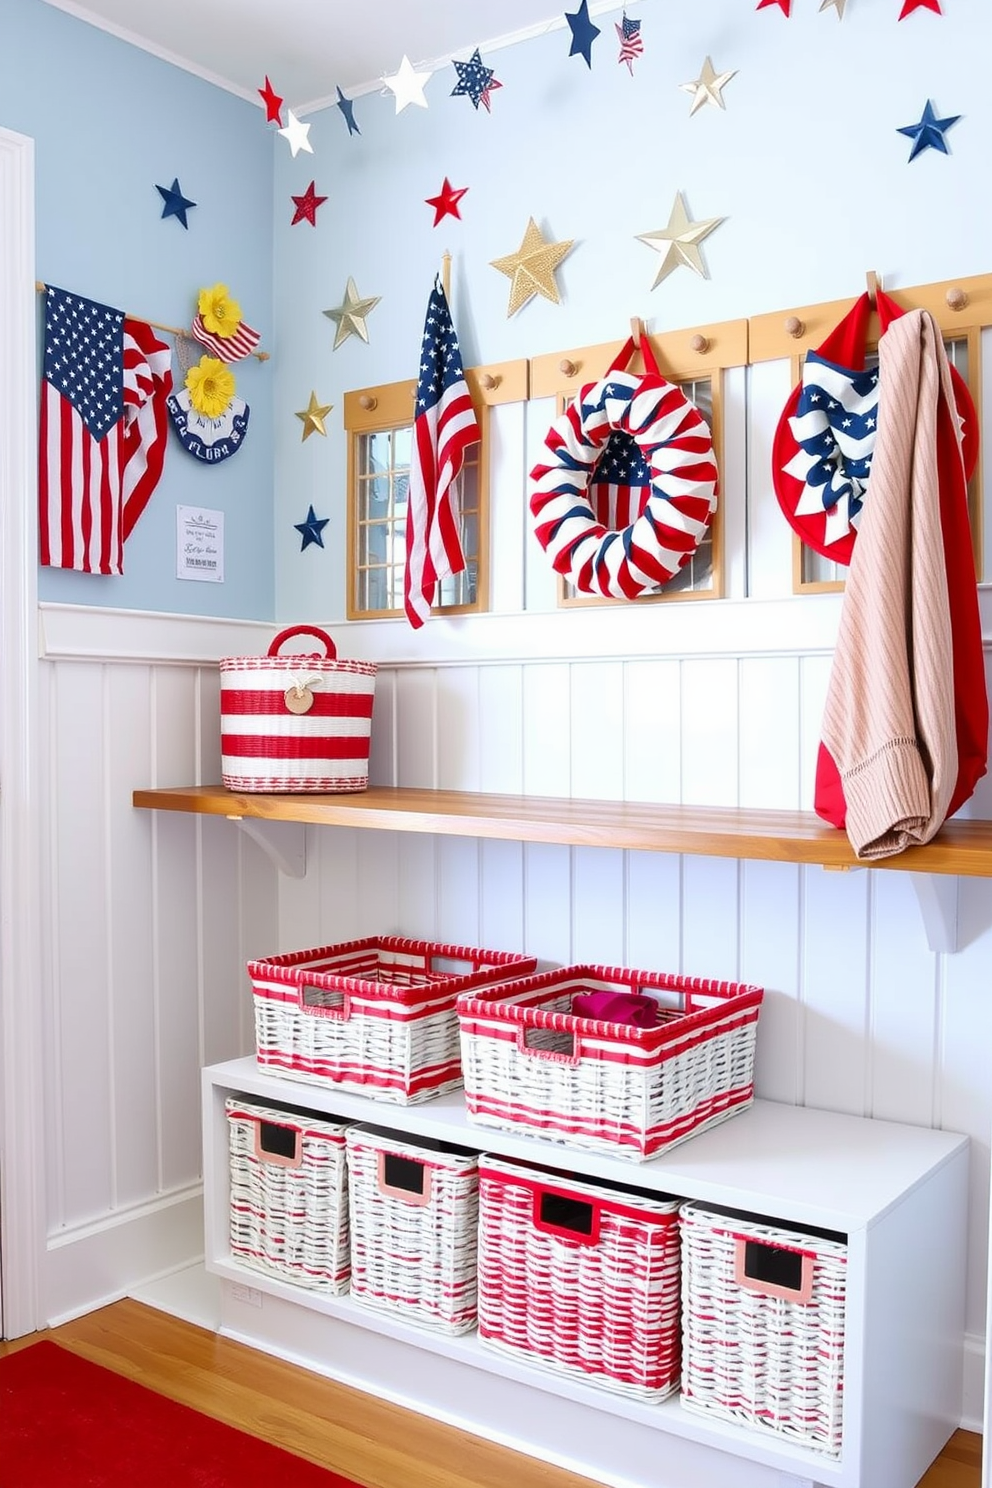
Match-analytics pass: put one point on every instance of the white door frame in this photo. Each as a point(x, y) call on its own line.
point(22, 1110)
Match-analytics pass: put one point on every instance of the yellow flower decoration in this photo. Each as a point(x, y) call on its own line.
point(220, 314)
point(210, 386)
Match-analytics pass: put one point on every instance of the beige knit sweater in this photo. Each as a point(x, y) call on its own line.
point(889, 716)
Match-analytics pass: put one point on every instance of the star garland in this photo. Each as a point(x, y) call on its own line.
point(475, 81)
point(583, 31)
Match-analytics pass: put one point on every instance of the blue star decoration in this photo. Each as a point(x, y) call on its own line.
point(176, 205)
point(311, 530)
point(928, 134)
point(584, 33)
point(474, 80)
point(347, 107)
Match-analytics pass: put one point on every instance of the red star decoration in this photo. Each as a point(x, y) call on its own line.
point(273, 104)
point(446, 203)
point(484, 95)
point(785, 4)
point(306, 206)
point(910, 5)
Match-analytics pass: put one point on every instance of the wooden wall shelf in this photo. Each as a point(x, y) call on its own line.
point(960, 848)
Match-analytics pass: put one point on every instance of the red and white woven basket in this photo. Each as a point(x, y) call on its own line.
point(300, 722)
point(580, 1278)
point(763, 1325)
point(289, 1195)
point(530, 1063)
point(414, 1229)
point(376, 1015)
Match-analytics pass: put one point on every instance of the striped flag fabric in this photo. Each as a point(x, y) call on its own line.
point(445, 426)
point(620, 485)
point(227, 348)
point(631, 45)
point(102, 430)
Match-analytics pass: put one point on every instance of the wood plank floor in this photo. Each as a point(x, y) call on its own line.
point(377, 1444)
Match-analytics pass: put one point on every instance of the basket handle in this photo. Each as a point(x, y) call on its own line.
point(557, 1056)
point(330, 650)
point(565, 1216)
point(271, 1145)
point(318, 1009)
point(404, 1178)
point(773, 1270)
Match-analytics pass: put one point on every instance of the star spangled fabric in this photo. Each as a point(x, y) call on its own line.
point(620, 485)
point(445, 427)
point(631, 45)
point(835, 425)
point(101, 431)
point(227, 348)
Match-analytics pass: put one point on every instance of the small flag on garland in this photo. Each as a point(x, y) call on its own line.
point(629, 37)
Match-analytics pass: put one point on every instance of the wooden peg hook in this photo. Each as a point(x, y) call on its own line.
point(700, 344)
point(490, 380)
point(956, 298)
point(795, 327)
point(567, 367)
point(873, 285)
point(367, 402)
point(636, 331)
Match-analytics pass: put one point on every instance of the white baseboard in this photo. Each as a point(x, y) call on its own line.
point(107, 1259)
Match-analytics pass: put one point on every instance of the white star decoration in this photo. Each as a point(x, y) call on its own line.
point(407, 85)
point(838, 5)
point(296, 132)
point(680, 241)
point(708, 87)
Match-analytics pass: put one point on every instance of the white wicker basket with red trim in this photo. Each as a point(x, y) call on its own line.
point(763, 1324)
point(580, 1277)
point(297, 722)
point(529, 1062)
point(289, 1195)
point(414, 1228)
point(376, 1015)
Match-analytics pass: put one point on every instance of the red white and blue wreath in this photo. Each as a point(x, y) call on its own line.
point(209, 420)
point(825, 439)
point(631, 486)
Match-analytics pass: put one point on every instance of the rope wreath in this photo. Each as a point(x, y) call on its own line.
point(672, 437)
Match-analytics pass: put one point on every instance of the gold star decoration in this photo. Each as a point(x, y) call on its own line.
point(313, 416)
point(680, 241)
point(531, 270)
point(709, 86)
point(350, 315)
point(838, 5)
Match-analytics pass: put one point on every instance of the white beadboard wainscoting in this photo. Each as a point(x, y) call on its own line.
point(153, 915)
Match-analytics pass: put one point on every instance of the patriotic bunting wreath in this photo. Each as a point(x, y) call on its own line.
point(825, 439)
point(672, 437)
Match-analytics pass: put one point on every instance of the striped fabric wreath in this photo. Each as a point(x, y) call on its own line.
point(667, 432)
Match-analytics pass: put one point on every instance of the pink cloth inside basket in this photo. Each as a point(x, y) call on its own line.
point(616, 1007)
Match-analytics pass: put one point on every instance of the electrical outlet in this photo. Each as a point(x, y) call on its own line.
point(242, 1293)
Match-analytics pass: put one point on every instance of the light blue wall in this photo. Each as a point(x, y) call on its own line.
point(805, 164)
point(110, 122)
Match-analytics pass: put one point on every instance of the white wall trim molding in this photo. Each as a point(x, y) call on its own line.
point(103, 1261)
point(801, 626)
point(128, 1214)
point(22, 1172)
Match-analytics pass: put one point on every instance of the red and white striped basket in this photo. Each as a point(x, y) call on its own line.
point(579, 1277)
point(530, 1063)
point(763, 1310)
point(300, 722)
point(414, 1228)
point(289, 1195)
point(376, 1015)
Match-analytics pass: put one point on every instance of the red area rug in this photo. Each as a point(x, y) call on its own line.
point(67, 1423)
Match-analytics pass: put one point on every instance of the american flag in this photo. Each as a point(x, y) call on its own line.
point(620, 485)
point(444, 428)
point(103, 431)
point(631, 45)
point(227, 348)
